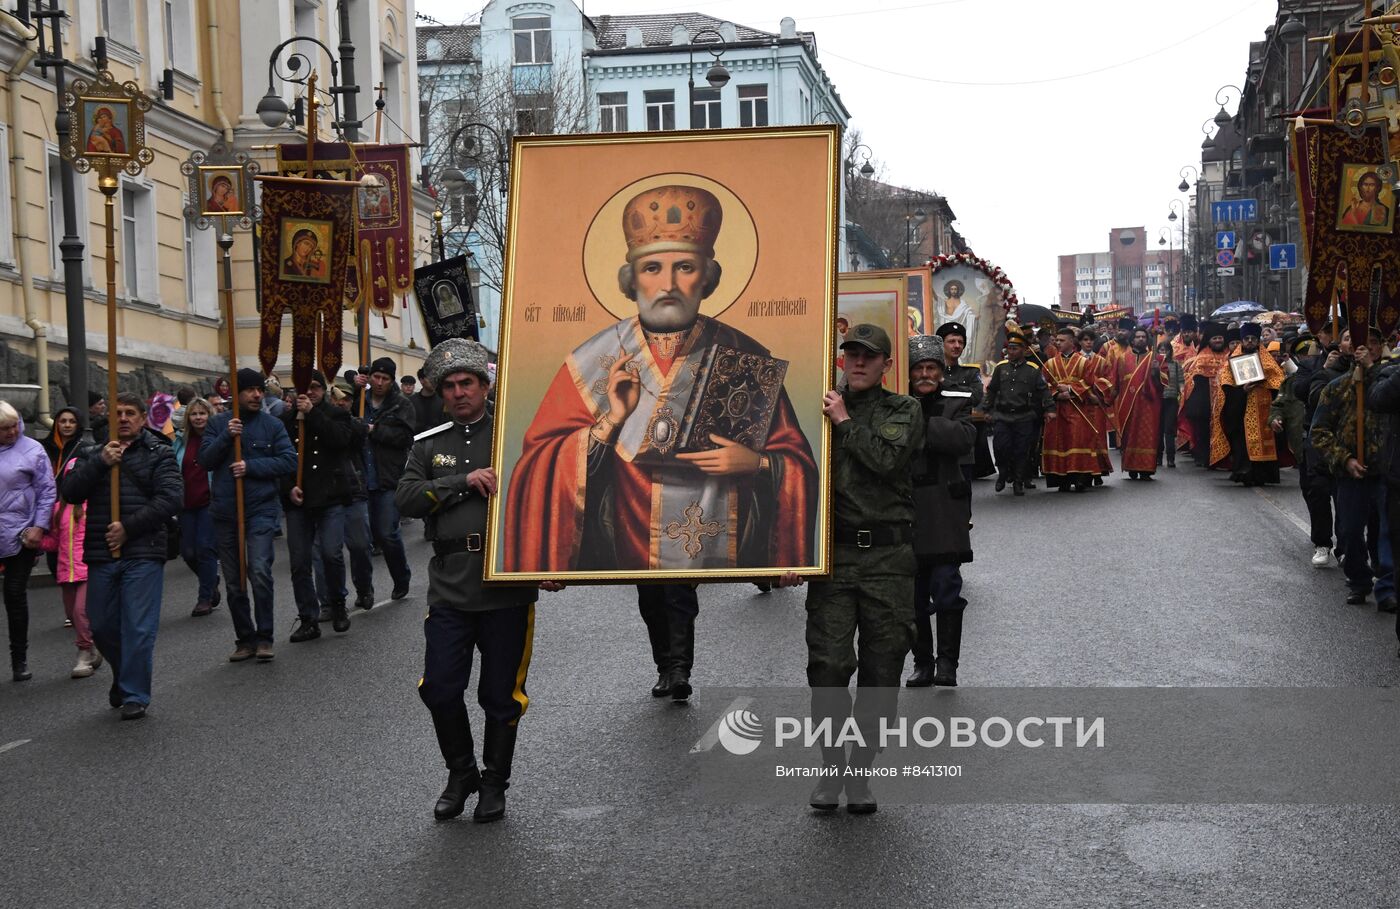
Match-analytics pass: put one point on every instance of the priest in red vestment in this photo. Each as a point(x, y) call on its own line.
point(601, 483)
point(1139, 407)
point(1201, 394)
point(1070, 454)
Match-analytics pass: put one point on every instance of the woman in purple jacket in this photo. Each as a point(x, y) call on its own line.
point(27, 493)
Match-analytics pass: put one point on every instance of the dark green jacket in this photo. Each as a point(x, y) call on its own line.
point(872, 453)
point(434, 487)
point(1289, 409)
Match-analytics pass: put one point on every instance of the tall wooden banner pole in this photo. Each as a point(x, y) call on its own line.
point(109, 186)
point(226, 246)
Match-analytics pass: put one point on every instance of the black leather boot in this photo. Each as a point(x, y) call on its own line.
point(340, 618)
point(657, 619)
point(859, 798)
point(682, 657)
point(19, 666)
point(826, 795)
point(949, 647)
point(922, 676)
point(496, 753)
point(454, 735)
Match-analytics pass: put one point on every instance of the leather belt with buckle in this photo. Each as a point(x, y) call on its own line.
point(472, 543)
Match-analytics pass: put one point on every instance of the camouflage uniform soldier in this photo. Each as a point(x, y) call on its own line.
point(875, 434)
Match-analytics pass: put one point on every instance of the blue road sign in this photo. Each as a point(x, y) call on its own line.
point(1225, 239)
point(1231, 210)
point(1283, 256)
point(1225, 258)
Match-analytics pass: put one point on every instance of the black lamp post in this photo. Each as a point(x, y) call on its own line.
point(717, 76)
point(71, 246)
point(916, 216)
point(456, 182)
point(273, 111)
point(1185, 185)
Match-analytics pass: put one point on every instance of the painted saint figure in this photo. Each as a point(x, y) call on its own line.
point(221, 195)
point(105, 138)
point(601, 484)
point(1367, 210)
point(306, 259)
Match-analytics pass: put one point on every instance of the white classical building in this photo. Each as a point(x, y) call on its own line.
point(626, 74)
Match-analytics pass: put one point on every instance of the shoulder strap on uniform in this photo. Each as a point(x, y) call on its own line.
point(432, 432)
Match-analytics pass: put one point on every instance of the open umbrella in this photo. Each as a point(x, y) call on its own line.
point(1032, 314)
point(1238, 308)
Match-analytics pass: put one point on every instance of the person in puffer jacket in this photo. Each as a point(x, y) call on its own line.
point(26, 509)
point(64, 542)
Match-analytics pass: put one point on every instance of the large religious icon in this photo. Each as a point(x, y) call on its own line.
point(306, 244)
point(1367, 203)
point(108, 124)
point(666, 341)
point(219, 188)
point(976, 294)
point(880, 298)
point(444, 294)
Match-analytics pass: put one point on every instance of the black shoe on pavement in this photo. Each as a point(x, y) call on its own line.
point(1098, 481)
point(1017, 489)
point(496, 753)
point(1386, 605)
point(364, 600)
point(400, 591)
point(662, 686)
point(340, 619)
point(826, 795)
point(453, 801)
point(201, 609)
point(1001, 484)
point(1356, 599)
point(307, 630)
point(680, 685)
point(945, 673)
point(114, 696)
point(21, 670)
point(133, 711)
point(921, 677)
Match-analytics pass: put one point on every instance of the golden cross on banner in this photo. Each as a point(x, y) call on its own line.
point(694, 529)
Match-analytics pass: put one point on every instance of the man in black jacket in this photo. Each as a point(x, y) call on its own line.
point(325, 484)
point(390, 418)
point(125, 552)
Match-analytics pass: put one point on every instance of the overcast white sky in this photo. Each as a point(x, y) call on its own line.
point(1045, 124)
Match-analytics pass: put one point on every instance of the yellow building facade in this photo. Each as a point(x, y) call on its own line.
point(169, 325)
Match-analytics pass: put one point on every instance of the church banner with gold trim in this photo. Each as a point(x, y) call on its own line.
point(1353, 255)
point(308, 231)
point(384, 243)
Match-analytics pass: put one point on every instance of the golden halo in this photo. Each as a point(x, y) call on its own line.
point(605, 246)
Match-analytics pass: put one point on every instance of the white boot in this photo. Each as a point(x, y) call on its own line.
point(88, 661)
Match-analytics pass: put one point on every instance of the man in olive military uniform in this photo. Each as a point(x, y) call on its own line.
point(447, 482)
point(1016, 395)
point(875, 434)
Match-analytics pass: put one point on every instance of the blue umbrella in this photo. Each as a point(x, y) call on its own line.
point(1239, 308)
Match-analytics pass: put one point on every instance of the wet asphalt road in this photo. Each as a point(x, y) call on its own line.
point(309, 781)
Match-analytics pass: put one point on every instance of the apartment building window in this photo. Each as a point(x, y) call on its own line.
point(55, 181)
point(661, 109)
point(612, 112)
point(533, 115)
point(753, 105)
point(705, 112)
point(138, 242)
point(7, 245)
point(531, 39)
point(119, 21)
point(201, 271)
point(305, 20)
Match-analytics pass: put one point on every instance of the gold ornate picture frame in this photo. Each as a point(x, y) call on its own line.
point(690, 281)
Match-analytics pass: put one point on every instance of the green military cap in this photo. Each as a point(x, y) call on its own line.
point(871, 337)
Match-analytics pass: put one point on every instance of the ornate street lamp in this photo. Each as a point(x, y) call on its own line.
point(273, 111)
point(717, 76)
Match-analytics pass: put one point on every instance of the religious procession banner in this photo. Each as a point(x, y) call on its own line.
point(880, 298)
point(977, 294)
point(384, 238)
point(444, 292)
point(667, 337)
point(308, 230)
point(1353, 256)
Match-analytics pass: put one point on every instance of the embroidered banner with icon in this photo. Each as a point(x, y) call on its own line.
point(308, 229)
point(1353, 257)
point(444, 292)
